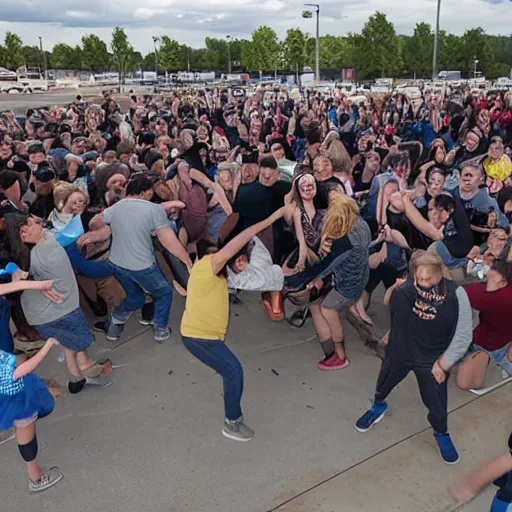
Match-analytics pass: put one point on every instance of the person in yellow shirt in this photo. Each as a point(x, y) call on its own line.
point(497, 165)
point(206, 318)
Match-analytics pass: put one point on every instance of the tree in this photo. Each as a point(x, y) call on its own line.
point(332, 52)
point(294, 49)
point(170, 55)
point(217, 54)
point(450, 53)
point(13, 51)
point(95, 53)
point(122, 52)
point(263, 51)
point(418, 50)
point(66, 57)
point(475, 43)
point(377, 48)
point(33, 57)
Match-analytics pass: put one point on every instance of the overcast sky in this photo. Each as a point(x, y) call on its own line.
point(191, 21)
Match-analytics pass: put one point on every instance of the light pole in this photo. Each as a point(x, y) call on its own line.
point(436, 42)
point(44, 57)
point(307, 14)
point(475, 63)
point(155, 39)
point(228, 38)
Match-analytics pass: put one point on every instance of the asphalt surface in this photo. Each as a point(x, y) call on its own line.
point(152, 441)
point(19, 103)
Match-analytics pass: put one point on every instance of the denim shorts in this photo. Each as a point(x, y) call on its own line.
point(500, 356)
point(72, 331)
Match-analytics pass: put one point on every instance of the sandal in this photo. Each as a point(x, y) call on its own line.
point(98, 369)
point(272, 304)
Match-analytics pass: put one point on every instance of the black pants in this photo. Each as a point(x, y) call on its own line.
point(433, 395)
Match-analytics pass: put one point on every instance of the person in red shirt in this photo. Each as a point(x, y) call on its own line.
point(492, 336)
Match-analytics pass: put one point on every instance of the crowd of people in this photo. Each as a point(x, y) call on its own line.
point(311, 199)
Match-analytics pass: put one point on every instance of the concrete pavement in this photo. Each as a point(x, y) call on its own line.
point(152, 442)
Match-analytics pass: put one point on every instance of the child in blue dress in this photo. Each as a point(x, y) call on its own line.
point(24, 398)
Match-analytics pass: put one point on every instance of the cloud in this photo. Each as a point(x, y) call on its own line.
point(190, 22)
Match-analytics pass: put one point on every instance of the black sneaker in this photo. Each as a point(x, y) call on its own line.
point(75, 387)
point(148, 312)
point(101, 326)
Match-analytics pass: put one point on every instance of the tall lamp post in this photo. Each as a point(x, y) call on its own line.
point(475, 64)
point(155, 39)
point(308, 14)
point(44, 57)
point(436, 42)
point(228, 38)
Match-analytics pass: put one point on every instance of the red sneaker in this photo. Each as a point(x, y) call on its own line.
point(333, 363)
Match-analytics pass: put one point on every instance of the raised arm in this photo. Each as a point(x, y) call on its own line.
point(30, 365)
point(214, 187)
point(418, 221)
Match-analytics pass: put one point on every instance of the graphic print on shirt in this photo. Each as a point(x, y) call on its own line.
point(427, 302)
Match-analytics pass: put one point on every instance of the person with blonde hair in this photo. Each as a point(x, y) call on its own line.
point(430, 332)
point(344, 248)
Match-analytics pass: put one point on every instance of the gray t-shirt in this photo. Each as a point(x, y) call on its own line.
point(49, 261)
point(133, 222)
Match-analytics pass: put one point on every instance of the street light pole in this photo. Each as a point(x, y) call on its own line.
point(436, 42)
point(155, 39)
point(475, 63)
point(228, 38)
point(317, 41)
point(44, 57)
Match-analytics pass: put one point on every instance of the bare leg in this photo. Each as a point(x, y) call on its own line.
point(71, 362)
point(359, 310)
point(322, 329)
point(83, 360)
point(471, 372)
point(321, 326)
point(23, 436)
point(332, 318)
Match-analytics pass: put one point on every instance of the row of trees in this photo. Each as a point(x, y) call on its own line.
point(377, 51)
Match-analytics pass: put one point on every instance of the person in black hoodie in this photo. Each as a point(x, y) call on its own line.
point(431, 327)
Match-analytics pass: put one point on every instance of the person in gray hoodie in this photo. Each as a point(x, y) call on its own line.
point(483, 210)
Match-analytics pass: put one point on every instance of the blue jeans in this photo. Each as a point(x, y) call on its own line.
point(448, 259)
point(216, 355)
point(6, 341)
point(138, 283)
point(87, 268)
